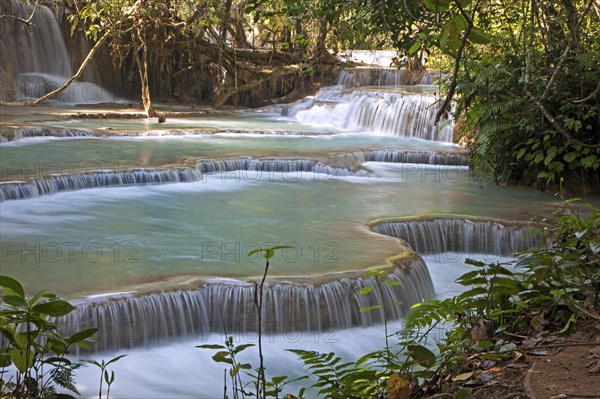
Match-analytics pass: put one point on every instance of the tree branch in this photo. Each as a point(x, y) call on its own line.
point(557, 125)
point(454, 82)
point(564, 55)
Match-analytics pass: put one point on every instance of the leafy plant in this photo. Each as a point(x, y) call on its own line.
point(227, 354)
point(567, 273)
point(104, 376)
point(263, 388)
point(33, 345)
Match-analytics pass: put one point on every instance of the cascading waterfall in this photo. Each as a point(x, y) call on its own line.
point(54, 184)
point(36, 60)
point(225, 306)
point(384, 112)
point(358, 77)
point(462, 235)
point(29, 132)
point(421, 157)
point(292, 168)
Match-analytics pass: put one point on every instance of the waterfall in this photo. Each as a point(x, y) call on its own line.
point(133, 321)
point(276, 165)
point(462, 235)
point(360, 77)
point(35, 60)
point(421, 157)
point(261, 168)
point(29, 132)
point(54, 184)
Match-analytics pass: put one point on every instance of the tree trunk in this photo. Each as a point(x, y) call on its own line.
point(142, 62)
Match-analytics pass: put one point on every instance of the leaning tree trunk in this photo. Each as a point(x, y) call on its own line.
point(142, 62)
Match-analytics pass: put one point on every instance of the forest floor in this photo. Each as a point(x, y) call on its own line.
point(543, 366)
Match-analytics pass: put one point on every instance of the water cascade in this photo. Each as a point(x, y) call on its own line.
point(36, 61)
point(464, 236)
point(228, 305)
point(29, 132)
point(292, 168)
point(420, 157)
point(379, 101)
point(358, 77)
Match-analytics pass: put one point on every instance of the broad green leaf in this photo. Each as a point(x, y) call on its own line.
point(36, 298)
point(422, 355)
point(365, 290)
point(13, 285)
point(222, 357)
point(15, 300)
point(450, 39)
point(414, 48)
point(478, 36)
point(82, 335)
point(571, 156)
point(521, 153)
point(23, 360)
point(54, 308)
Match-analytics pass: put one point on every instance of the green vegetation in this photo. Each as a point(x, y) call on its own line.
point(32, 344)
point(33, 351)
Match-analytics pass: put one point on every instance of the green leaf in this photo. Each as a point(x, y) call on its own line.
point(478, 36)
point(450, 39)
point(521, 153)
point(36, 298)
point(115, 359)
point(54, 308)
point(13, 285)
point(5, 360)
point(15, 300)
point(240, 348)
point(365, 290)
point(571, 156)
point(208, 346)
point(23, 360)
point(422, 355)
point(81, 336)
point(414, 48)
point(255, 251)
point(221, 357)
point(278, 380)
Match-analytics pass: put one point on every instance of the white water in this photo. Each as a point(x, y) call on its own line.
point(191, 373)
point(39, 59)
